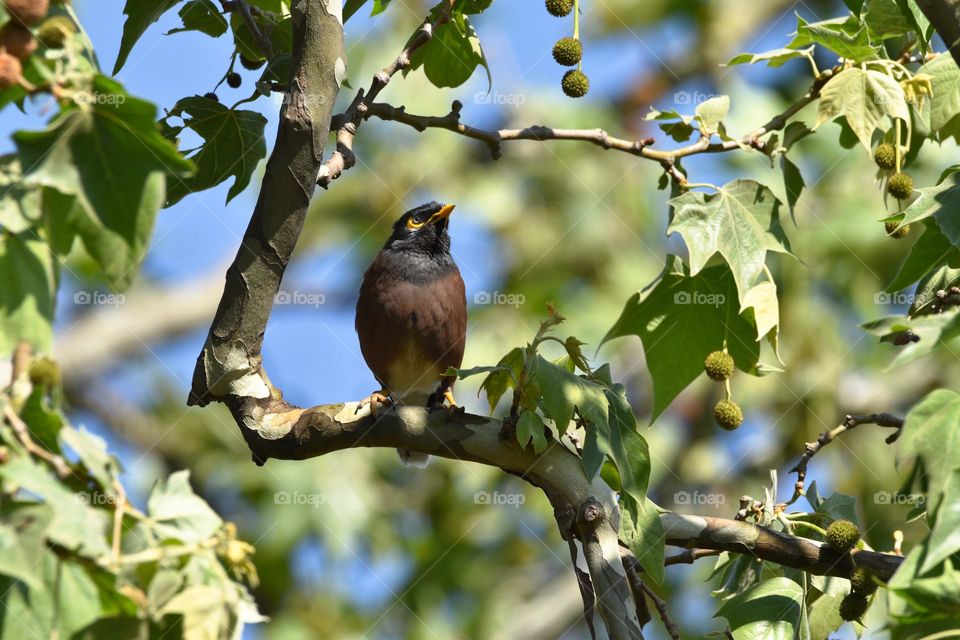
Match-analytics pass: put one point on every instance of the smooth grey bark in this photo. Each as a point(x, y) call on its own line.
point(229, 367)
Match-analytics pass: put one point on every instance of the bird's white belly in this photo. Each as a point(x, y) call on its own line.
point(413, 376)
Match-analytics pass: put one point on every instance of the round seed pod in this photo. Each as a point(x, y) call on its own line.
point(567, 51)
point(575, 83)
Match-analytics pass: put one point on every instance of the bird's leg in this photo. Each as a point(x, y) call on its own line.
point(448, 394)
point(374, 400)
point(436, 401)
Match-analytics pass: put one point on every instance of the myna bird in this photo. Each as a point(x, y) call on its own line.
point(412, 314)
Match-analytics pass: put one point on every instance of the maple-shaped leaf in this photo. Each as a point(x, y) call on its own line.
point(680, 318)
point(866, 98)
point(741, 222)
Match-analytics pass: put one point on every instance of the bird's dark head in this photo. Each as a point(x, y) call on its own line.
point(423, 230)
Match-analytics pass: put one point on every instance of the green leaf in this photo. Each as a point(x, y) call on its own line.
point(204, 612)
point(792, 181)
point(203, 16)
point(471, 7)
point(110, 155)
point(839, 506)
point(855, 6)
point(75, 525)
point(884, 19)
point(19, 206)
point(473, 371)
point(503, 377)
point(140, 15)
point(680, 319)
point(562, 392)
point(233, 145)
point(866, 98)
point(942, 202)
point(177, 512)
point(928, 288)
point(944, 540)
point(530, 427)
point(278, 69)
point(930, 433)
point(642, 532)
point(450, 57)
point(164, 585)
point(920, 605)
point(350, 7)
point(711, 113)
point(92, 452)
point(281, 35)
point(23, 530)
point(741, 222)
point(919, 21)
point(825, 615)
point(44, 421)
point(680, 131)
point(762, 300)
point(774, 58)
point(846, 37)
point(29, 275)
point(771, 610)
point(628, 449)
point(931, 249)
point(929, 332)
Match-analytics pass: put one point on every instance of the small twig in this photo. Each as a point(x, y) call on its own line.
point(638, 586)
point(350, 120)
point(119, 508)
point(23, 434)
point(689, 556)
point(366, 106)
point(849, 422)
point(247, 13)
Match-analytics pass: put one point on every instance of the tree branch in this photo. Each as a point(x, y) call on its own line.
point(849, 422)
point(642, 591)
point(944, 15)
point(766, 544)
point(347, 123)
point(303, 433)
point(229, 367)
point(247, 13)
point(365, 107)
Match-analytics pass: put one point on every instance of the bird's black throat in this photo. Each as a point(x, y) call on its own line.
point(417, 265)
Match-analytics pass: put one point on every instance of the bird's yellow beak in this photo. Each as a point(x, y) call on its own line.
point(443, 214)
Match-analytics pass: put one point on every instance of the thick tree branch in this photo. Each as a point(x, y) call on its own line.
point(304, 433)
point(944, 15)
point(229, 367)
point(766, 544)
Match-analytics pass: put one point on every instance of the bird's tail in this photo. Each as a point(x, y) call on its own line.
point(414, 458)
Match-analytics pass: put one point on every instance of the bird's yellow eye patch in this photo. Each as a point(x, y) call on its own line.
point(413, 224)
